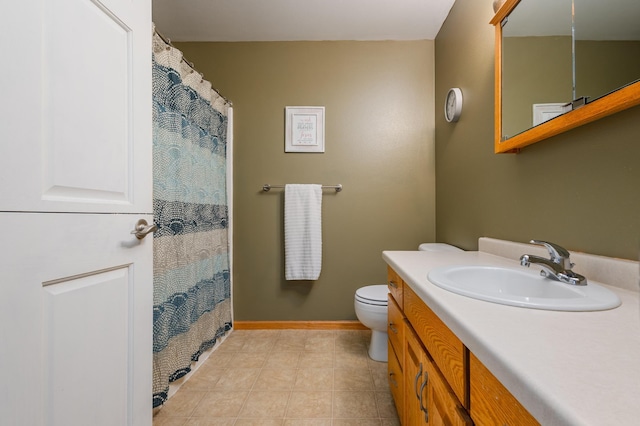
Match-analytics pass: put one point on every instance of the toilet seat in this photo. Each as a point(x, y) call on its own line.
point(373, 295)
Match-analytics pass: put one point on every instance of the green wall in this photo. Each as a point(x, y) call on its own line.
point(580, 189)
point(379, 145)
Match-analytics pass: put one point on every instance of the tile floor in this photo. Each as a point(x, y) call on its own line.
point(285, 377)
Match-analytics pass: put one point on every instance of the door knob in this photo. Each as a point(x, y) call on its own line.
point(143, 228)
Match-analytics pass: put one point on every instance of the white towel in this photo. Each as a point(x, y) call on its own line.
point(302, 231)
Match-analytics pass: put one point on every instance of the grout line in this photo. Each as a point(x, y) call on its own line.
point(333, 377)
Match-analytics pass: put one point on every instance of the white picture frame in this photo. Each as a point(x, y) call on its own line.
point(304, 129)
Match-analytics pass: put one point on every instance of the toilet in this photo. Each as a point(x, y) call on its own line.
point(370, 304)
point(371, 309)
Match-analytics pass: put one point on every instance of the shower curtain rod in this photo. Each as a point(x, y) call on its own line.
point(190, 64)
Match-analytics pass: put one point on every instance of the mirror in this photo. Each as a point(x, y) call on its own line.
point(607, 46)
point(561, 64)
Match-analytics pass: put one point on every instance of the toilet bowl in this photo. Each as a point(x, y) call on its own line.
point(370, 303)
point(371, 309)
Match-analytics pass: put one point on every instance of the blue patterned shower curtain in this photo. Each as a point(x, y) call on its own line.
point(192, 292)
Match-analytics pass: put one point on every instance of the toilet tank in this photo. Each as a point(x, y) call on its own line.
point(437, 247)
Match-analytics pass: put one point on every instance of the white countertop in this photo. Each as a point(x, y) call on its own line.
point(566, 368)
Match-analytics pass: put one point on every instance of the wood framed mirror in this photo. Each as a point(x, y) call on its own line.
point(570, 109)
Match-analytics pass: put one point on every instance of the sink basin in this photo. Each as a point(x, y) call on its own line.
point(523, 288)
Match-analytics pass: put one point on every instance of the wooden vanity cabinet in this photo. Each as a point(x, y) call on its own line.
point(415, 380)
point(395, 328)
point(434, 379)
point(422, 393)
point(444, 347)
point(491, 402)
point(395, 331)
point(429, 400)
point(444, 407)
point(396, 382)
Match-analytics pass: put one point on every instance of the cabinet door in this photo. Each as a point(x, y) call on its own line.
point(396, 382)
point(443, 405)
point(415, 375)
point(442, 344)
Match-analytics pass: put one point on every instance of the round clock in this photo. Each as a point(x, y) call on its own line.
point(453, 105)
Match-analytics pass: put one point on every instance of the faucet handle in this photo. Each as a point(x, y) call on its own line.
point(559, 255)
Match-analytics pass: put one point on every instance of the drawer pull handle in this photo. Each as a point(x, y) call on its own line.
point(415, 383)
point(393, 284)
point(393, 380)
point(422, 407)
point(393, 328)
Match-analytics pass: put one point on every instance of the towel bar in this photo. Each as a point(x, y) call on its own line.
point(266, 187)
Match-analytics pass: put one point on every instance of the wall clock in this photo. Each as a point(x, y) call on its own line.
point(453, 105)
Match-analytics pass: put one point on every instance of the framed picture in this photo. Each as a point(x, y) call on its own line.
point(304, 129)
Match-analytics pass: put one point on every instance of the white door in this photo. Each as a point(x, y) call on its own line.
point(75, 177)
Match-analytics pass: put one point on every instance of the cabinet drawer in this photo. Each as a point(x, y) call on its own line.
point(396, 380)
point(396, 286)
point(491, 402)
point(448, 352)
point(395, 328)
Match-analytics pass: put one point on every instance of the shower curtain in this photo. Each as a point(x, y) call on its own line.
point(191, 273)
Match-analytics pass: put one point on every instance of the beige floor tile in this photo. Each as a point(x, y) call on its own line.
point(285, 378)
point(261, 345)
point(203, 379)
point(289, 344)
point(354, 404)
point(170, 421)
point(319, 379)
point(259, 422)
point(276, 379)
point(320, 333)
point(355, 347)
point(386, 406)
point(220, 404)
point(210, 421)
point(219, 359)
point(351, 360)
point(356, 422)
point(317, 360)
point(313, 404)
point(307, 422)
point(260, 334)
point(181, 404)
point(380, 376)
point(347, 338)
point(352, 379)
point(320, 344)
point(294, 334)
point(265, 404)
point(375, 364)
point(233, 343)
point(237, 379)
point(282, 359)
point(249, 360)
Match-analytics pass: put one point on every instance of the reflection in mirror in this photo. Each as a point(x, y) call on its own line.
point(607, 42)
point(537, 66)
point(534, 88)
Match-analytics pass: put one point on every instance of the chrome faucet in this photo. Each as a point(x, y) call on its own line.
point(558, 267)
